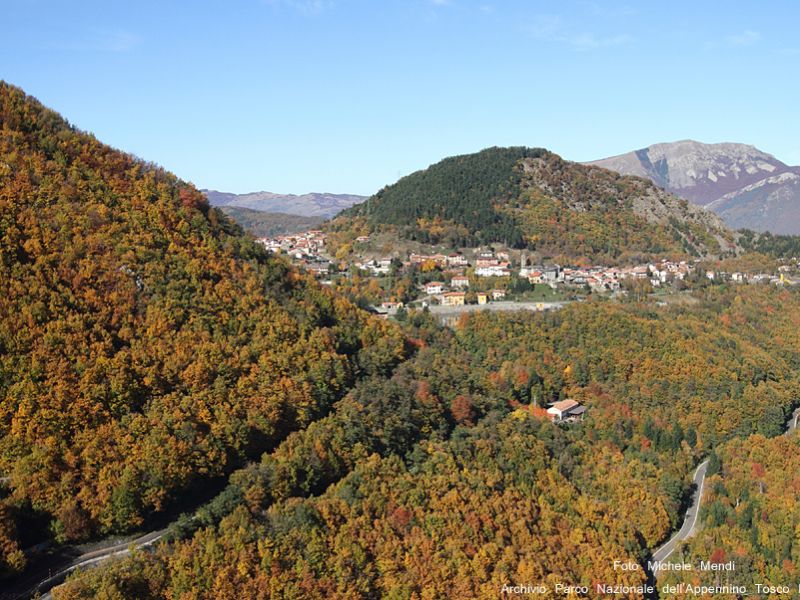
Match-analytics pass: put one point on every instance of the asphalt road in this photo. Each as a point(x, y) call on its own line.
point(791, 425)
point(42, 581)
point(690, 520)
point(449, 315)
point(501, 306)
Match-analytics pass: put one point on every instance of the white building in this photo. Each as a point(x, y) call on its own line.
point(566, 410)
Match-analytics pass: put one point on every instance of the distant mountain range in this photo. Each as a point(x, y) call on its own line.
point(748, 188)
point(321, 205)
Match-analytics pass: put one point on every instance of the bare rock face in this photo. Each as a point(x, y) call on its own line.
point(748, 188)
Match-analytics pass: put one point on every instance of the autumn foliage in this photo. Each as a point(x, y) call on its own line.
point(148, 348)
point(145, 344)
point(398, 494)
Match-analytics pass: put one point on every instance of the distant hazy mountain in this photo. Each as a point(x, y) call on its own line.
point(745, 186)
point(270, 224)
point(306, 205)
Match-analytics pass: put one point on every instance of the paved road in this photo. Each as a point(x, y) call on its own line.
point(450, 314)
point(690, 521)
point(43, 582)
point(791, 424)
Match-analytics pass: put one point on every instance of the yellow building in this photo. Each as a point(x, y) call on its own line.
point(483, 298)
point(453, 299)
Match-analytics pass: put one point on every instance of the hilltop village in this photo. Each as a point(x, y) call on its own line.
point(493, 274)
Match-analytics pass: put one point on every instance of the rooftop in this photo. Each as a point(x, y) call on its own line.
point(565, 405)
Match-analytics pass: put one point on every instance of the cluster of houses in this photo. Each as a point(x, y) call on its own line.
point(455, 294)
point(308, 250)
point(299, 245)
point(449, 261)
point(782, 278)
point(609, 279)
point(376, 267)
point(487, 264)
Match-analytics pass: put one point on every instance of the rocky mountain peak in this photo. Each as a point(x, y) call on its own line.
point(746, 186)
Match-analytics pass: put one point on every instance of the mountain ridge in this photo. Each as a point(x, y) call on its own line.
point(312, 204)
point(747, 187)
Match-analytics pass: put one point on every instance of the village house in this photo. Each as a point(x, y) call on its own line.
point(457, 260)
point(498, 294)
point(377, 267)
point(566, 411)
point(434, 287)
point(273, 246)
point(534, 277)
point(319, 268)
point(496, 270)
point(453, 299)
point(597, 284)
point(487, 261)
point(439, 259)
point(552, 274)
point(460, 281)
point(483, 297)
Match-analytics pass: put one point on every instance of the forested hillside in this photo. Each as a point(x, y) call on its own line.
point(531, 198)
point(270, 224)
point(453, 199)
point(445, 479)
point(146, 345)
point(778, 246)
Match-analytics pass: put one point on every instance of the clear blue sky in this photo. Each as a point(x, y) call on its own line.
point(348, 95)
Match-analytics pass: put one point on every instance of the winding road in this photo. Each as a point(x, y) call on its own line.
point(41, 581)
point(689, 527)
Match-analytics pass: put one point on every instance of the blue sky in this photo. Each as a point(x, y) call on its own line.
point(349, 95)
